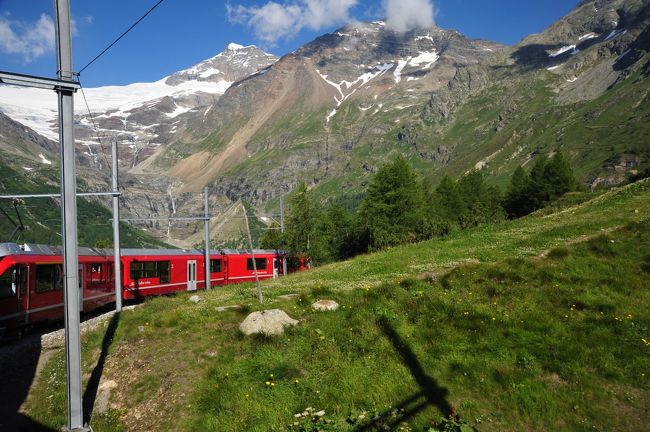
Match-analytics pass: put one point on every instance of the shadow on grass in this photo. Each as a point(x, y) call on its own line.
point(93, 383)
point(430, 394)
point(18, 364)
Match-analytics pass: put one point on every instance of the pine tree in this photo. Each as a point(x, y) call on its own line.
point(273, 238)
point(301, 221)
point(480, 203)
point(558, 176)
point(340, 230)
point(517, 202)
point(393, 211)
point(538, 191)
point(448, 202)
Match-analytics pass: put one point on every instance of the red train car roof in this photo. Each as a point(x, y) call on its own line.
point(39, 249)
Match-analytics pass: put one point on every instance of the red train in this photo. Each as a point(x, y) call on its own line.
point(31, 276)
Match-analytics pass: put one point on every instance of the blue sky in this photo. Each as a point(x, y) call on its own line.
point(181, 33)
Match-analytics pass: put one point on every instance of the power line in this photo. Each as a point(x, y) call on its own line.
point(92, 119)
point(120, 37)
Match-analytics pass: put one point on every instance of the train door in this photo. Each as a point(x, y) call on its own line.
point(8, 295)
point(46, 293)
point(276, 268)
point(191, 275)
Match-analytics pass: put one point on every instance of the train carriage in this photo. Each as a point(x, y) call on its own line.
point(240, 266)
point(31, 282)
point(161, 271)
point(31, 276)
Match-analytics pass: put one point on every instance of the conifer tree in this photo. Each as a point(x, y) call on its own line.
point(558, 176)
point(272, 238)
point(517, 202)
point(393, 210)
point(448, 202)
point(301, 221)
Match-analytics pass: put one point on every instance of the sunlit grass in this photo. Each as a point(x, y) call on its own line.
point(535, 324)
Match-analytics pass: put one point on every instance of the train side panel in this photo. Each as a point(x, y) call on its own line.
point(97, 281)
point(240, 267)
point(146, 275)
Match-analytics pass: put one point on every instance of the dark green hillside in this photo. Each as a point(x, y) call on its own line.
point(42, 216)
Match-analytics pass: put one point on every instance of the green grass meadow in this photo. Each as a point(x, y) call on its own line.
point(535, 324)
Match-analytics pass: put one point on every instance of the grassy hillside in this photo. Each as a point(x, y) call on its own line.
point(536, 324)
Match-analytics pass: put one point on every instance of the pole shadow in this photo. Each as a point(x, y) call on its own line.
point(18, 364)
point(430, 394)
point(93, 383)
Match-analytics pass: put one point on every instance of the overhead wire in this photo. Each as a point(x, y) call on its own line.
point(120, 37)
point(92, 119)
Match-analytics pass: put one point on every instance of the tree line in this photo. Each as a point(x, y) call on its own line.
point(400, 208)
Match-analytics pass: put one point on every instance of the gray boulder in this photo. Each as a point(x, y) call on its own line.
point(270, 322)
point(325, 305)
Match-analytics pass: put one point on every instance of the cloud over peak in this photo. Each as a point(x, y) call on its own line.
point(404, 15)
point(274, 21)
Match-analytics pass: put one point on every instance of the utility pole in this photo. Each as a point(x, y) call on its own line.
point(207, 241)
point(69, 216)
point(284, 253)
point(117, 266)
point(250, 242)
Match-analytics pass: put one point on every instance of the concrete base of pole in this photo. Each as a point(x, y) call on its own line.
point(82, 429)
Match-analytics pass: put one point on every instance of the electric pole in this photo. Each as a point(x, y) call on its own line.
point(284, 253)
point(250, 242)
point(69, 217)
point(207, 240)
point(117, 266)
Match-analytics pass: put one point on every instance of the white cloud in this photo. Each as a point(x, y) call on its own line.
point(274, 21)
point(404, 15)
point(31, 40)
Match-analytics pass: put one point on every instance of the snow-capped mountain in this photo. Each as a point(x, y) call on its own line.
point(333, 111)
point(363, 69)
point(141, 115)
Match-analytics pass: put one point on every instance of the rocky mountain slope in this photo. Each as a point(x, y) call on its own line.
point(334, 110)
point(140, 116)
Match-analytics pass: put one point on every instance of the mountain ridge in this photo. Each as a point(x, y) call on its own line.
point(335, 109)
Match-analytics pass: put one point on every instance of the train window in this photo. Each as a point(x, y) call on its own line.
point(163, 271)
point(96, 273)
point(49, 277)
point(23, 280)
point(151, 269)
point(215, 265)
point(260, 263)
point(7, 283)
point(136, 270)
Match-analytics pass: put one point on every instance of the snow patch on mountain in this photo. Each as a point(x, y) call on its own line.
point(398, 70)
point(427, 37)
point(353, 86)
point(563, 50)
point(426, 58)
point(588, 36)
point(44, 160)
